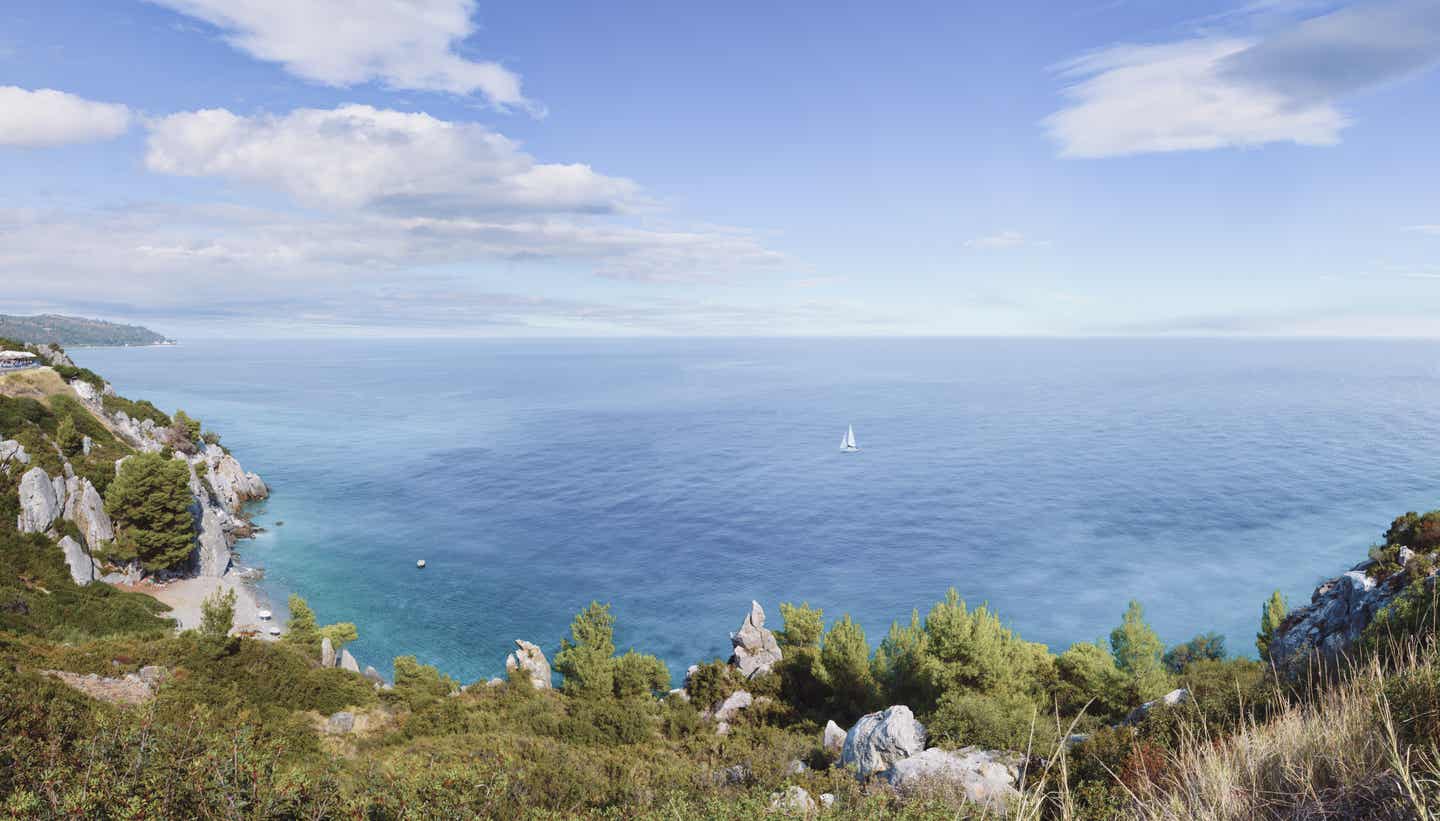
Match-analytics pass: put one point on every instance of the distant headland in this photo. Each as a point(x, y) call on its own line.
point(75, 331)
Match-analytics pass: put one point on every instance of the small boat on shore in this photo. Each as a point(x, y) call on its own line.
point(264, 615)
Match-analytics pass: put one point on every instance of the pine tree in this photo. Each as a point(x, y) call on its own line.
point(217, 614)
point(68, 437)
point(149, 502)
point(1137, 650)
point(585, 659)
point(845, 659)
point(301, 629)
point(1272, 613)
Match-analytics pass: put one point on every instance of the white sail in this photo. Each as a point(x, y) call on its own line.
point(847, 442)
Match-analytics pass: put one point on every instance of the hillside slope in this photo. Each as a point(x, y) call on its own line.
point(73, 330)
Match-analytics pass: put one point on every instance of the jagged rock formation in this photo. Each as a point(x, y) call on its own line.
point(1339, 611)
point(348, 662)
point(85, 507)
point(756, 650)
point(531, 659)
point(878, 740)
point(986, 777)
point(232, 485)
point(327, 653)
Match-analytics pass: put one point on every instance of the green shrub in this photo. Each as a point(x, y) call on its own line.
point(845, 660)
point(149, 501)
point(1137, 653)
point(1206, 646)
point(586, 657)
point(996, 722)
point(640, 675)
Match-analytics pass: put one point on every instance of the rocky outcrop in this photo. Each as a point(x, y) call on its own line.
point(212, 544)
point(728, 709)
point(82, 567)
point(756, 650)
point(1338, 613)
point(348, 662)
point(88, 394)
point(340, 723)
point(833, 741)
point(531, 660)
point(1170, 699)
point(232, 485)
point(40, 503)
point(374, 676)
point(983, 777)
point(878, 740)
point(85, 507)
point(53, 355)
point(142, 434)
point(327, 653)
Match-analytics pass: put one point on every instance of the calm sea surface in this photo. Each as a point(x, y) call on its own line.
point(680, 479)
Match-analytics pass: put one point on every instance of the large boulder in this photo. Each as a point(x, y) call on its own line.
point(833, 741)
point(756, 650)
point(984, 777)
point(85, 507)
point(327, 653)
point(82, 567)
point(531, 660)
point(1338, 613)
point(348, 662)
point(728, 709)
point(878, 740)
point(40, 505)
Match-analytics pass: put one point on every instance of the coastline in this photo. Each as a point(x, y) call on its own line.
point(185, 597)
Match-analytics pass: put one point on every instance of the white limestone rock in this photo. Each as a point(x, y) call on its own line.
point(793, 802)
point(12, 451)
point(233, 487)
point(82, 566)
point(531, 659)
point(833, 741)
point(347, 661)
point(1170, 699)
point(327, 653)
point(756, 650)
point(984, 777)
point(878, 740)
point(40, 506)
point(85, 507)
point(728, 709)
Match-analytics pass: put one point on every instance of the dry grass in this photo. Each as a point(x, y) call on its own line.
point(1334, 754)
point(34, 383)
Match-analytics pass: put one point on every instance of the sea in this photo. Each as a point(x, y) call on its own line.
point(1052, 480)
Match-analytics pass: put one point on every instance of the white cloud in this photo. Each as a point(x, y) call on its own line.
point(1433, 230)
point(1004, 239)
point(358, 156)
point(47, 117)
point(408, 44)
point(1241, 90)
point(1176, 97)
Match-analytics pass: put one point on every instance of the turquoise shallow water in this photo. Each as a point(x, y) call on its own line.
point(678, 479)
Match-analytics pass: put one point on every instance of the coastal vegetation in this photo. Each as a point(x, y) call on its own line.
point(107, 711)
point(74, 330)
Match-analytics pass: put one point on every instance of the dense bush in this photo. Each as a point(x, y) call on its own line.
point(149, 502)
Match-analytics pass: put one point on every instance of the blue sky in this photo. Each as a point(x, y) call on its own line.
point(274, 167)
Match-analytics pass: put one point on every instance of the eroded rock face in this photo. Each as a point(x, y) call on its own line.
point(984, 777)
point(1338, 612)
point(327, 653)
point(728, 709)
point(374, 676)
point(878, 740)
point(85, 507)
point(347, 661)
point(87, 393)
point(54, 356)
point(233, 487)
point(531, 659)
point(39, 504)
point(212, 544)
point(756, 650)
point(82, 567)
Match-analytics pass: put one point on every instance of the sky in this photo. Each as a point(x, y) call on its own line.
point(460, 167)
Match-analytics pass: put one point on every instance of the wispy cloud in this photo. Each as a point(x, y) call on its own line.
point(1433, 230)
point(1004, 239)
point(1241, 89)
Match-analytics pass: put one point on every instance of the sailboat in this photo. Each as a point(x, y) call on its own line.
point(847, 442)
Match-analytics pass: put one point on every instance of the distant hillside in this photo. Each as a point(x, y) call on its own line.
point(74, 330)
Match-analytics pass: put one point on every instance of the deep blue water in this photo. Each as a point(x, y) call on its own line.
point(678, 479)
